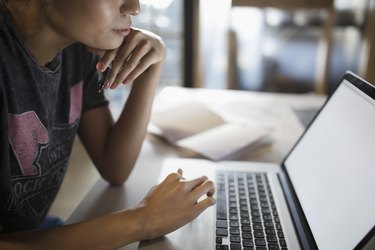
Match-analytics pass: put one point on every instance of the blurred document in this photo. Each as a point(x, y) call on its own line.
point(198, 128)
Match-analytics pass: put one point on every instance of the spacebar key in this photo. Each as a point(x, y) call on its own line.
point(221, 207)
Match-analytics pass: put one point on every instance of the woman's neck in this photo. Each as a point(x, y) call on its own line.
point(42, 41)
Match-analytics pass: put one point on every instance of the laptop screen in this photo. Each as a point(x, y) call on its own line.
point(332, 168)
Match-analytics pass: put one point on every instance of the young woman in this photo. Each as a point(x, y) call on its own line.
point(49, 81)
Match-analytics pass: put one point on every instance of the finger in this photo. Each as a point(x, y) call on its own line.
point(204, 204)
point(180, 171)
point(122, 56)
point(192, 184)
point(207, 188)
point(138, 59)
point(141, 68)
point(106, 60)
point(173, 177)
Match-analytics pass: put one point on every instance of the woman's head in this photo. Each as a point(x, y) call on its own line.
point(99, 24)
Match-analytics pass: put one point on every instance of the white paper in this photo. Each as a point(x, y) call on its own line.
point(223, 141)
point(198, 128)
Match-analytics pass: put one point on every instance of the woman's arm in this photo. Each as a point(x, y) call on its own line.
point(114, 147)
point(168, 206)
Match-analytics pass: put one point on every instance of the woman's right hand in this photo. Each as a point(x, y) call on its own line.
point(173, 203)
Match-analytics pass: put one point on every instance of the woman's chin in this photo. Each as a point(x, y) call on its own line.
point(99, 52)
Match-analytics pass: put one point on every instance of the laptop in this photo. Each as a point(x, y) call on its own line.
point(321, 197)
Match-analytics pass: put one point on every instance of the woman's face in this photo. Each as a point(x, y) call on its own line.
point(100, 24)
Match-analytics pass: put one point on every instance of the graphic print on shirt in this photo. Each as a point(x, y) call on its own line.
point(42, 154)
point(27, 135)
point(75, 102)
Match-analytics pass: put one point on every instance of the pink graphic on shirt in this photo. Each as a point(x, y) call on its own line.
point(75, 102)
point(26, 133)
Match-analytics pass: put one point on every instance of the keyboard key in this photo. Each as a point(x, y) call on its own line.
point(234, 231)
point(278, 227)
point(260, 242)
point(270, 231)
point(280, 234)
point(247, 235)
point(221, 224)
point(219, 240)
point(233, 210)
point(248, 243)
point(245, 221)
point(257, 226)
point(267, 217)
point(244, 215)
point(282, 243)
point(233, 223)
point(235, 238)
point(244, 209)
point(255, 213)
point(233, 217)
point(246, 228)
point(233, 205)
point(268, 224)
point(223, 247)
point(258, 234)
point(271, 239)
point(257, 219)
point(221, 232)
point(273, 247)
point(235, 246)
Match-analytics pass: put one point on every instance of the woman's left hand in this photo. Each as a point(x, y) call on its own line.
point(137, 53)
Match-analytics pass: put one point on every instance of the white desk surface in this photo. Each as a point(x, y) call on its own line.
point(103, 198)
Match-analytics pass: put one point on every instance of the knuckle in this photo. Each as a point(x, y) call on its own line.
point(142, 66)
point(185, 187)
point(133, 63)
point(146, 43)
point(173, 176)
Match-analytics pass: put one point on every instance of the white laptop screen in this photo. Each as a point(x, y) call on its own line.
point(332, 170)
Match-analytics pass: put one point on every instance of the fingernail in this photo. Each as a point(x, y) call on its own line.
point(107, 84)
point(101, 66)
point(114, 85)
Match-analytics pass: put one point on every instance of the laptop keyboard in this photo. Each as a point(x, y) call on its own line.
point(246, 214)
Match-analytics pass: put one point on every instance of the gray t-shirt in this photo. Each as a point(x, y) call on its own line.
point(40, 109)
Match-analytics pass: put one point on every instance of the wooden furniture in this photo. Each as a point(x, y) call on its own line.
point(322, 67)
point(367, 64)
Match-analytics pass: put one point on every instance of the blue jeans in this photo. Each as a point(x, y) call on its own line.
point(51, 221)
